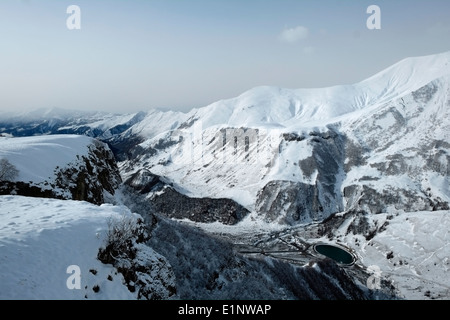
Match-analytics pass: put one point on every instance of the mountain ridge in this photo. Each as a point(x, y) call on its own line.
point(196, 151)
point(240, 196)
point(407, 75)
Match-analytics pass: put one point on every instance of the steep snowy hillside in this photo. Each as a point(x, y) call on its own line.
point(279, 107)
point(49, 249)
point(399, 154)
point(297, 156)
point(52, 249)
point(60, 166)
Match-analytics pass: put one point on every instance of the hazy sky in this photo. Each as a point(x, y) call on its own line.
point(180, 54)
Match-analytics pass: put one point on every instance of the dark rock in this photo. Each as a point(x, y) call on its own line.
point(426, 93)
point(292, 136)
point(289, 202)
point(297, 202)
point(92, 176)
point(161, 198)
point(143, 181)
point(365, 198)
point(173, 204)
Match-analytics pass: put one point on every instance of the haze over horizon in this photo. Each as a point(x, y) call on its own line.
point(133, 56)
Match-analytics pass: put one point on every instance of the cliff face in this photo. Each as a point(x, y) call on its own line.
point(93, 177)
point(163, 199)
point(317, 194)
point(88, 172)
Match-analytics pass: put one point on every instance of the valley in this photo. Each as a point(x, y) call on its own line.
point(243, 192)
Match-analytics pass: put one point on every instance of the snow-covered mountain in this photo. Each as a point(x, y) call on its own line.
point(280, 107)
point(298, 156)
point(265, 176)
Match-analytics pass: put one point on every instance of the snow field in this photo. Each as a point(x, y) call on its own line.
point(41, 238)
point(413, 251)
point(37, 157)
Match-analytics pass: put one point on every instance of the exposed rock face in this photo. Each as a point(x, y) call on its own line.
point(297, 202)
point(145, 271)
point(144, 181)
point(163, 199)
point(289, 202)
point(399, 157)
point(176, 205)
point(368, 199)
point(353, 221)
point(93, 177)
point(28, 190)
point(154, 276)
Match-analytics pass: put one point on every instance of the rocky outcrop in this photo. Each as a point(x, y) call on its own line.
point(145, 271)
point(288, 202)
point(294, 202)
point(143, 181)
point(173, 204)
point(363, 197)
point(28, 190)
point(353, 221)
point(93, 177)
point(163, 199)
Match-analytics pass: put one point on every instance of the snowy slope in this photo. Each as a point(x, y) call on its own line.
point(60, 166)
point(409, 248)
point(413, 251)
point(272, 106)
point(41, 238)
point(37, 157)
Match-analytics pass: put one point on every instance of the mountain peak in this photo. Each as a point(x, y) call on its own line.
point(268, 105)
